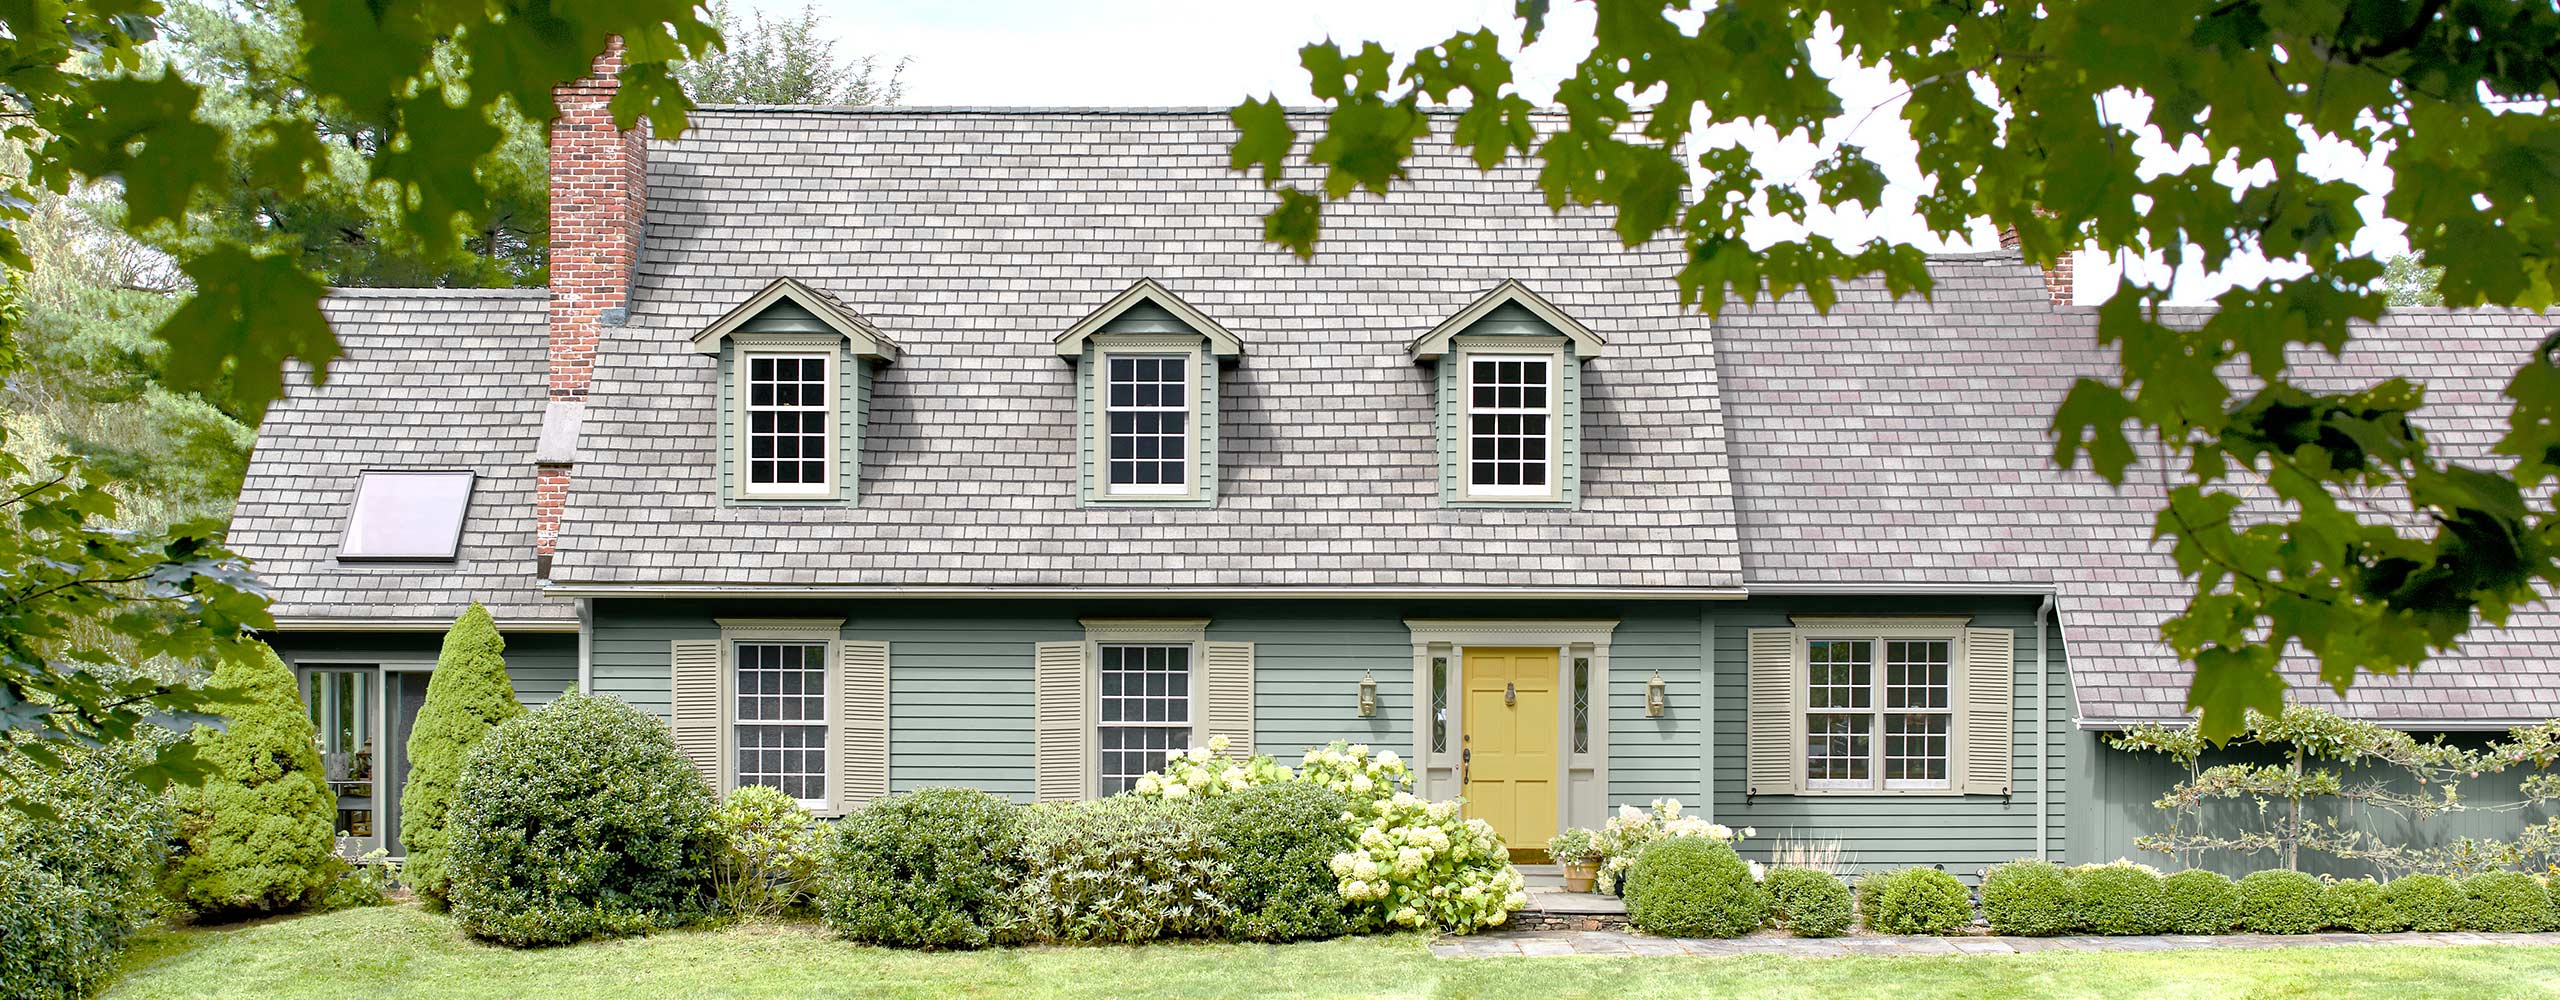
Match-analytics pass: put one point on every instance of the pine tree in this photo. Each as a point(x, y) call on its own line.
point(468, 695)
point(259, 834)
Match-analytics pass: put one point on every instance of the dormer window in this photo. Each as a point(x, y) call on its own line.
point(795, 372)
point(407, 516)
point(1510, 424)
point(1510, 374)
point(790, 425)
point(1147, 386)
point(1146, 424)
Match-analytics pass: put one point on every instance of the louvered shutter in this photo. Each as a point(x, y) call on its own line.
point(1061, 734)
point(1773, 722)
point(1990, 690)
point(862, 726)
point(1227, 675)
point(696, 694)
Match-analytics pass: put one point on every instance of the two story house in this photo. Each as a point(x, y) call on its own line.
point(875, 449)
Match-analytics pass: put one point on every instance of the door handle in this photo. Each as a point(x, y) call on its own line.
point(1465, 757)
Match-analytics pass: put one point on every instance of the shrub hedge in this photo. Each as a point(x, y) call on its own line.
point(2197, 901)
point(931, 868)
point(2361, 905)
point(2426, 902)
point(2510, 902)
point(259, 834)
point(76, 885)
point(1915, 901)
point(1280, 840)
point(2031, 899)
point(468, 695)
point(1809, 902)
point(1121, 870)
point(1694, 887)
point(768, 857)
point(579, 821)
point(2121, 898)
point(2281, 902)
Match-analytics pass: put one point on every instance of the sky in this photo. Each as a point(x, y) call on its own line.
point(1218, 52)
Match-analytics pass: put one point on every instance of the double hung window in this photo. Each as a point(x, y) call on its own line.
point(780, 722)
point(1146, 425)
point(1145, 711)
point(790, 424)
point(1879, 713)
point(1510, 425)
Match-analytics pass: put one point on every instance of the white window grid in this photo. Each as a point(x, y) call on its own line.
point(1146, 416)
point(1144, 711)
point(1510, 427)
point(780, 721)
point(790, 432)
point(1879, 725)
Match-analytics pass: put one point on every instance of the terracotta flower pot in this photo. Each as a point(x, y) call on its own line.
point(1578, 875)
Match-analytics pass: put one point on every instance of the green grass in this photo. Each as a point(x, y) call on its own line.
point(405, 952)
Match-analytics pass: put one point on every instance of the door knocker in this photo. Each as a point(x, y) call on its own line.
point(1510, 695)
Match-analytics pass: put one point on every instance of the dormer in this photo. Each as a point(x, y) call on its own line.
point(1147, 367)
point(795, 392)
point(1509, 375)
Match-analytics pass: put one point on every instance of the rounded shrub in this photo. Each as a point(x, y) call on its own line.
point(2121, 898)
point(2031, 899)
point(582, 820)
point(76, 884)
point(468, 695)
point(259, 833)
point(2280, 902)
point(1916, 901)
point(1280, 840)
point(1121, 870)
point(2200, 902)
point(931, 868)
point(2361, 905)
point(1808, 902)
point(1694, 887)
point(768, 861)
point(2511, 902)
point(2430, 903)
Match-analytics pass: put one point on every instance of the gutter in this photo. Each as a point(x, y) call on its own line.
point(2403, 725)
point(2046, 590)
point(1001, 592)
point(305, 623)
point(586, 646)
point(2044, 738)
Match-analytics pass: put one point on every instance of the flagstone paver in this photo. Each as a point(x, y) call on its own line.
point(1553, 944)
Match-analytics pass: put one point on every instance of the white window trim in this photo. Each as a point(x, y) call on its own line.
point(1878, 631)
point(1100, 632)
point(1185, 349)
point(825, 632)
point(742, 378)
point(1464, 445)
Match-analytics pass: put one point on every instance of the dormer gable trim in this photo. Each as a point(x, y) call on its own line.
point(868, 342)
point(1431, 346)
point(1222, 342)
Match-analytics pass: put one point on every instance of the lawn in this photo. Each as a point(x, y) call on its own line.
point(405, 952)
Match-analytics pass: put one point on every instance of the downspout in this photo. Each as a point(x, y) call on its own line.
point(586, 645)
point(2044, 720)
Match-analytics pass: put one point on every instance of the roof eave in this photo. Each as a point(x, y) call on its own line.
point(1222, 342)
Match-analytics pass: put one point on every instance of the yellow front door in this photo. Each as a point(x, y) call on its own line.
point(1511, 722)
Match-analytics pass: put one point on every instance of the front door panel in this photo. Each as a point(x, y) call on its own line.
point(1511, 715)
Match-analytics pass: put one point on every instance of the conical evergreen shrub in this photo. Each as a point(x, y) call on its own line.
point(467, 696)
point(259, 835)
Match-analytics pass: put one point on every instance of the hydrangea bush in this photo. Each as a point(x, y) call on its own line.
point(1354, 773)
point(1417, 864)
point(1624, 837)
point(1208, 771)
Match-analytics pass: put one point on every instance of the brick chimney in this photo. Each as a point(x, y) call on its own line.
point(599, 199)
point(2058, 283)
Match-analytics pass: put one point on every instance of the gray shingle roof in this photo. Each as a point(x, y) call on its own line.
point(973, 237)
point(1905, 443)
point(432, 379)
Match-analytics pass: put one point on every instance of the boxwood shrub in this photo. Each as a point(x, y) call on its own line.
point(76, 885)
point(1694, 887)
point(2281, 902)
point(2121, 898)
point(2429, 903)
point(1121, 870)
point(2197, 901)
point(2510, 902)
point(1808, 902)
point(2031, 899)
point(931, 868)
point(579, 821)
point(1915, 901)
point(1281, 839)
point(2361, 905)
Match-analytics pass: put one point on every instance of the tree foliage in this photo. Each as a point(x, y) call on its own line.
point(2410, 282)
point(785, 61)
point(468, 695)
point(259, 834)
point(2032, 116)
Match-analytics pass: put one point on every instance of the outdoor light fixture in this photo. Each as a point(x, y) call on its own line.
point(1655, 698)
point(1368, 695)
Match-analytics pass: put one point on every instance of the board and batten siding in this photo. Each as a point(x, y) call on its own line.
point(1963, 833)
point(540, 665)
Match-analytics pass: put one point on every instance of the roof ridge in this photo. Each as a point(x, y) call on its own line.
point(363, 292)
point(1052, 110)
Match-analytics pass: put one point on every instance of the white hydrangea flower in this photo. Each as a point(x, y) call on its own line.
point(1176, 791)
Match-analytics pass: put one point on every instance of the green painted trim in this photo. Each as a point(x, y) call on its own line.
point(853, 381)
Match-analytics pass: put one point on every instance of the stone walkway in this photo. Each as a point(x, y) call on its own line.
point(1544, 944)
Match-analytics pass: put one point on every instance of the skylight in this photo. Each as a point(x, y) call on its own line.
point(407, 515)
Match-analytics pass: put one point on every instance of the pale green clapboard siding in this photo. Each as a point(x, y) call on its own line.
point(1963, 833)
point(1652, 758)
point(540, 665)
point(1306, 674)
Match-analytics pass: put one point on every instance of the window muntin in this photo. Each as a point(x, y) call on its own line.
point(1510, 425)
point(790, 424)
point(781, 718)
point(1146, 416)
point(1871, 724)
point(407, 515)
point(1145, 711)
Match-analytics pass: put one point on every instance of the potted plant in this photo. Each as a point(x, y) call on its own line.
point(1578, 853)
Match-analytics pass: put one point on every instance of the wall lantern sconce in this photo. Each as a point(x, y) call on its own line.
point(1368, 695)
point(1656, 698)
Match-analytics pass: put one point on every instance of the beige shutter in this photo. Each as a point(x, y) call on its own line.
point(1774, 754)
point(1227, 674)
point(1061, 735)
point(862, 724)
point(1990, 689)
point(696, 694)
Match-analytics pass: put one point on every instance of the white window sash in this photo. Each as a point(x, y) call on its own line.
point(1876, 714)
point(1468, 411)
point(1190, 394)
point(826, 419)
point(826, 722)
point(1190, 699)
